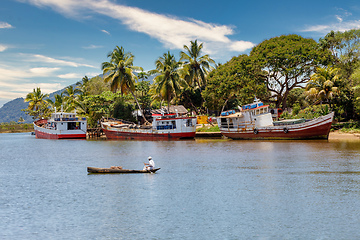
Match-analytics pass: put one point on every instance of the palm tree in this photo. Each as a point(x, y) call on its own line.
point(120, 72)
point(167, 81)
point(197, 66)
point(82, 85)
point(57, 103)
point(322, 84)
point(37, 104)
point(70, 96)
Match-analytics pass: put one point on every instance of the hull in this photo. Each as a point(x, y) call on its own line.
point(318, 128)
point(145, 135)
point(162, 128)
point(110, 170)
point(44, 133)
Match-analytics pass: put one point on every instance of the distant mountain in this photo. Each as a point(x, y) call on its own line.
point(11, 111)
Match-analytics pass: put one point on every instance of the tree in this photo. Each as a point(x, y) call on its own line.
point(322, 83)
point(142, 89)
point(345, 49)
point(82, 85)
point(289, 60)
point(235, 83)
point(70, 97)
point(196, 67)
point(120, 72)
point(37, 104)
point(57, 103)
point(167, 81)
point(356, 89)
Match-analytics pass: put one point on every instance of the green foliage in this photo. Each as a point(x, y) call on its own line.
point(214, 128)
point(123, 110)
point(307, 113)
point(167, 82)
point(234, 83)
point(38, 107)
point(289, 60)
point(345, 48)
point(96, 86)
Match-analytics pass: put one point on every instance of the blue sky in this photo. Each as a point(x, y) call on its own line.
point(54, 43)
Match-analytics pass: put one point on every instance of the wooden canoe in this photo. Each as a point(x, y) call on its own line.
point(111, 170)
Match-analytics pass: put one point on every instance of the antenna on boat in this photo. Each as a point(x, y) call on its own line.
point(61, 108)
point(55, 109)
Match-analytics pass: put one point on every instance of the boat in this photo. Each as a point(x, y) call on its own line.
point(165, 126)
point(118, 170)
point(61, 125)
point(254, 121)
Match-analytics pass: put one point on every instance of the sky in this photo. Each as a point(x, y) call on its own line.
point(55, 43)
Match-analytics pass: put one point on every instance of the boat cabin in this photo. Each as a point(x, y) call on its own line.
point(248, 116)
point(66, 121)
point(170, 121)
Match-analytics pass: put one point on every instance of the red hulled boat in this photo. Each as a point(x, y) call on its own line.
point(253, 121)
point(61, 125)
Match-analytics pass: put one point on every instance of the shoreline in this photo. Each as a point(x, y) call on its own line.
point(337, 135)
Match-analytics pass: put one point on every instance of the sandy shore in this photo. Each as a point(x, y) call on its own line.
point(336, 135)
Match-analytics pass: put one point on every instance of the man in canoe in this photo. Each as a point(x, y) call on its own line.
point(150, 165)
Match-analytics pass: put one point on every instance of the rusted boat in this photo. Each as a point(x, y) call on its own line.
point(164, 127)
point(118, 170)
point(254, 121)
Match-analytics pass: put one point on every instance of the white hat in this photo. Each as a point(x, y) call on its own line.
point(149, 158)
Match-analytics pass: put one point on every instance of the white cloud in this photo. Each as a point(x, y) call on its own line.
point(93, 47)
point(5, 25)
point(171, 31)
point(241, 46)
point(70, 76)
point(341, 25)
point(104, 31)
point(45, 59)
point(9, 74)
point(3, 47)
point(21, 89)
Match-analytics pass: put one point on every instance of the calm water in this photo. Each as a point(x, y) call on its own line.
point(206, 189)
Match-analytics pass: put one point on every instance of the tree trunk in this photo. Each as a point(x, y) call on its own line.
point(145, 121)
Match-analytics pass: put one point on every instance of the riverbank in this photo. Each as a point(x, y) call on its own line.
point(16, 128)
point(338, 135)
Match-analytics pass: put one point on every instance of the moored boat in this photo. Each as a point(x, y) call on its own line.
point(254, 121)
point(118, 170)
point(61, 125)
point(164, 127)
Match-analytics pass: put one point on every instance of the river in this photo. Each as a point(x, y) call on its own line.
point(205, 189)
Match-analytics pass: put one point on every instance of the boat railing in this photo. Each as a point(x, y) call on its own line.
point(117, 120)
point(69, 119)
point(242, 125)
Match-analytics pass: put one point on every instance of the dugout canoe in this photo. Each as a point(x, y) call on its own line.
point(111, 170)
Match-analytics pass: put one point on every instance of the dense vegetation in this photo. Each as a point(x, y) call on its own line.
point(297, 74)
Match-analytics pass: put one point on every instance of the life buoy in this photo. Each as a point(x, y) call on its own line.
point(286, 130)
point(256, 131)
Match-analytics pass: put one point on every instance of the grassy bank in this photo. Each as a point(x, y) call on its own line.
point(16, 128)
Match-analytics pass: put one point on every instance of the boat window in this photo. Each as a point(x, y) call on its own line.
point(188, 123)
point(74, 125)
